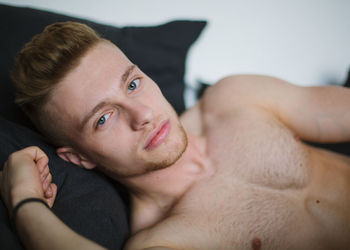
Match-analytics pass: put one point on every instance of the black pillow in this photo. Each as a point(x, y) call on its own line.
point(160, 51)
point(86, 201)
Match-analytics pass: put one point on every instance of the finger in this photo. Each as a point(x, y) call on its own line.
point(49, 178)
point(51, 200)
point(42, 164)
point(47, 182)
point(26, 157)
point(44, 174)
point(36, 153)
point(48, 193)
point(45, 185)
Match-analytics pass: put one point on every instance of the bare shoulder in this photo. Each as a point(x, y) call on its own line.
point(238, 92)
point(192, 120)
point(227, 94)
point(246, 83)
point(243, 90)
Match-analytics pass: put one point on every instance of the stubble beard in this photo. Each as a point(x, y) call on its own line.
point(173, 156)
point(158, 162)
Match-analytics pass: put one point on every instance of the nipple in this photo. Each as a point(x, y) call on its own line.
point(256, 243)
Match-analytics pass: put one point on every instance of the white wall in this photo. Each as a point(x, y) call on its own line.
point(306, 42)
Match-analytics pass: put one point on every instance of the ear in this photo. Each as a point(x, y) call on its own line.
point(70, 155)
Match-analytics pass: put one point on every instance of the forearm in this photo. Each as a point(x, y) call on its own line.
point(39, 228)
point(326, 114)
point(318, 114)
point(27, 191)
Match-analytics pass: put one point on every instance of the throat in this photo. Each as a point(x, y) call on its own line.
point(155, 194)
point(174, 181)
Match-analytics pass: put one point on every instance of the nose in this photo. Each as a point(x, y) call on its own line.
point(140, 115)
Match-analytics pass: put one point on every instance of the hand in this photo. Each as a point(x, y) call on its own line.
point(26, 174)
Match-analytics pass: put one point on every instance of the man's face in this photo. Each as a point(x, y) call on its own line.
point(116, 116)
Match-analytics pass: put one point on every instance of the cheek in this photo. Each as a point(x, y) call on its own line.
point(104, 145)
point(108, 153)
point(162, 104)
point(155, 94)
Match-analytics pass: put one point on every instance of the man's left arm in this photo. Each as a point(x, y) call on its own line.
point(318, 113)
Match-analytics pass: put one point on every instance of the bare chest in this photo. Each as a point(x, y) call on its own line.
point(259, 191)
point(253, 196)
point(255, 148)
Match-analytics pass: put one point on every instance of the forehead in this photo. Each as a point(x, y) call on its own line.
point(99, 70)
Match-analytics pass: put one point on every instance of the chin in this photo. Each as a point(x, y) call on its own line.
point(161, 157)
point(168, 153)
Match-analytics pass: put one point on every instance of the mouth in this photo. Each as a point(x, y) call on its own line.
point(158, 135)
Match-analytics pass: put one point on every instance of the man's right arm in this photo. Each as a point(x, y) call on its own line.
point(26, 175)
point(39, 228)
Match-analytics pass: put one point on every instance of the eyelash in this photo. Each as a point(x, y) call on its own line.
point(137, 80)
point(109, 114)
point(105, 120)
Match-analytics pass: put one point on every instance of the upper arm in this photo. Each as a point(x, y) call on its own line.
point(318, 114)
point(142, 241)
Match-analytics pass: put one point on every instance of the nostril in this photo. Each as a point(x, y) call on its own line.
point(145, 122)
point(141, 117)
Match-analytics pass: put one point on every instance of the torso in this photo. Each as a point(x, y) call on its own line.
point(263, 188)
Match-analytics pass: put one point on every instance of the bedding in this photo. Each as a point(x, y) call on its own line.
point(88, 202)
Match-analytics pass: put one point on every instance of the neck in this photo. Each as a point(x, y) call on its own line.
point(164, 187)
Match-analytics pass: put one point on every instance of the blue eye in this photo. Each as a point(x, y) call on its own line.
point(103, 119)
point(134, 84)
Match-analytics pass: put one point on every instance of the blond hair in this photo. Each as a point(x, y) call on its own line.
point(42, 64)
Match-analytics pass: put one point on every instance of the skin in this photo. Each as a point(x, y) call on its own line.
point(131, 115)
point(245, 180)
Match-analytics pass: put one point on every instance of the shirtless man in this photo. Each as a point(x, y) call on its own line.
point(230, 173)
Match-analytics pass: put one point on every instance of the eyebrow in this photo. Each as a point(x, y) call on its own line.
point(127, 73)
point(100, 105)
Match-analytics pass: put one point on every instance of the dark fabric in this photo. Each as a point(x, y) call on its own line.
point(341, 148)
point(347, 81)
point(160, 51)
point(88, 202)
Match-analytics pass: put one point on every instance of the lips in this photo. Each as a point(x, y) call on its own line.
point(158, 135)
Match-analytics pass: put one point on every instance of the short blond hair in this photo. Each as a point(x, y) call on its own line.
point(42, 63)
